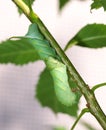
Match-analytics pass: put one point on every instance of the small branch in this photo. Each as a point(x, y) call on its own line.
point(93, 105)
point(79, 117)
point(98, 86)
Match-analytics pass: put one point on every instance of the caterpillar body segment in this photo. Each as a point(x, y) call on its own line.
point(43, 49)
point(61, 85)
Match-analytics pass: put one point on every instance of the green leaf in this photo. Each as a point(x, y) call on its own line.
point(98, 4)
point(25, 50)
point(62, 3)
point(18, 52)
point(104, 4)
point(22, 51)
point(92, 36)
point(28, 3)
point(46, 95)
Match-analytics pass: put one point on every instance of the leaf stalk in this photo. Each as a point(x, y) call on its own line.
point(98, 86)
point(79, 117)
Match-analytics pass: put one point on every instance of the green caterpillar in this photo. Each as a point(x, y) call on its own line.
point(55, 66)
point(61, 85)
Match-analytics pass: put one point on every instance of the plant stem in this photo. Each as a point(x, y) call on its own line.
point(98, 86)
point(79, 117)
point(92, 103)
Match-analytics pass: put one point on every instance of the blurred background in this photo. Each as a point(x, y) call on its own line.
point(18, 108)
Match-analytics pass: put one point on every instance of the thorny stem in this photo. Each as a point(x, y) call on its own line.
point(92, 103)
